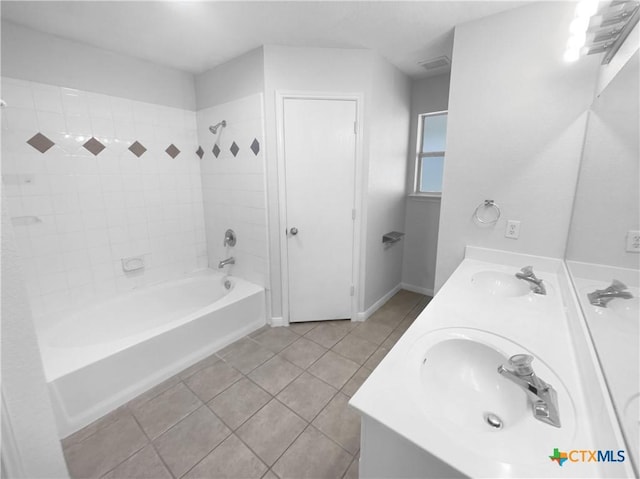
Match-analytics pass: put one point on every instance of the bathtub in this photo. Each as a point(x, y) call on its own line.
point(100, 357)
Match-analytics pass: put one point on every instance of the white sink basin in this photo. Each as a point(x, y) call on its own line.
point(627, 309)
point(497, 283)
point(454, 381)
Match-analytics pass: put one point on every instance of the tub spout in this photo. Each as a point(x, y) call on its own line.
point(225, 262)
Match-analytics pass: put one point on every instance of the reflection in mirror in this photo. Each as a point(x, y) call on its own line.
point(601, 249)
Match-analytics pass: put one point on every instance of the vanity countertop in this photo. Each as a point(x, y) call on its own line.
point(536, 323)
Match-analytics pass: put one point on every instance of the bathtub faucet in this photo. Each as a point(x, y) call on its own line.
point(543, 397)
point(225, 262)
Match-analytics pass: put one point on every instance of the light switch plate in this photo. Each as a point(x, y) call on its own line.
point(633, 241)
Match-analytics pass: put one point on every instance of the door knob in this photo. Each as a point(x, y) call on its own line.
point(293, 231)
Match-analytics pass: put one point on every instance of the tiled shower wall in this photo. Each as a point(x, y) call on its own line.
point(233, 185)
point(133, 190)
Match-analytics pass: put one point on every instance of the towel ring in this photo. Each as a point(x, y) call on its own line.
point(487, 204)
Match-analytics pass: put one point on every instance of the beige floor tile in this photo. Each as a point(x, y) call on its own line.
point(307, 395)
point(153, 392)
point(355, 348)
point(271, 430)
point(144, 464)
point(334, 369)
point(276, 339)
point(247, 356)
point(404, 325)
point(105, 449)
point(237, 345)
point(165, 410)
point(208, 361)
point(230, 460)
point(327, 334)
point(238, 403)
point(386, 316)
point(212, 380)
point(186, 443)
point(313, 455)
point(352, 472)
point(341, 423)
point(375, 358)
point(303, 353)
point(356, 381)
point(373, 332)
point(392, 339)
point(274, 375)
point(92, 428)
point(303, 328)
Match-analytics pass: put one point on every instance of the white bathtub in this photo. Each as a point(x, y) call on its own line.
point(98, 358)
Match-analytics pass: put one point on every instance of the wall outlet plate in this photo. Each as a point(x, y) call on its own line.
point(513, 229)
point(633, 241)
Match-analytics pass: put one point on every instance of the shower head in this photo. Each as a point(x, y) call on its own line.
point(214, 128)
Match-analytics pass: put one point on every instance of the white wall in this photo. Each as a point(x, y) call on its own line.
point(233, 188)
point(385, 112)
point(95, 210)
point(516, 125)
point(607, 203)
point(36, 56)
point(24, 390)
point(386, 186)
point(423, 213)
point(312, 70)
point(235, 79)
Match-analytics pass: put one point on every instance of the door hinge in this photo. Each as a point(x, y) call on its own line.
point(355, 127)
point(353, 214)
point(353, 290)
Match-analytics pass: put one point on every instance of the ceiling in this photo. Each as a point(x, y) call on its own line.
point(197, 36)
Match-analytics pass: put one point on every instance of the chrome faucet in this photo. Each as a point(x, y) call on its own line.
point(227, 261)
point(601, 297)
point(528, 275)
point(543, 397)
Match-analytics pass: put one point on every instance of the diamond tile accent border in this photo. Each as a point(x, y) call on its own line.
point(216, 150)
point(94, 146)
point(40, 142)
point(172, 150)
point(137, 149)
point(234, 149)
point(255, 147)
point(200, 152)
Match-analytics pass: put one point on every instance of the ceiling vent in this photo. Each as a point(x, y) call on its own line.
point(436, 64)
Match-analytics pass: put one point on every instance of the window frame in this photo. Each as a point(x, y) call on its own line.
point(422, 154)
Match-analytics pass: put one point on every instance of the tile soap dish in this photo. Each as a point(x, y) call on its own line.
point(392, 237)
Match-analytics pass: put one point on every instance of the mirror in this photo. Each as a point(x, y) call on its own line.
point(602, 237)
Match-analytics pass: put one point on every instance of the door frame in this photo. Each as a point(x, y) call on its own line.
point(358, 225)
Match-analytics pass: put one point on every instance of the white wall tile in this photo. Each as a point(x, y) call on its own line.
point(97, 209)
point(47, 99)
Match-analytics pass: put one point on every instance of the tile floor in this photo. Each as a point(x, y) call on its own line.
point(271, 405)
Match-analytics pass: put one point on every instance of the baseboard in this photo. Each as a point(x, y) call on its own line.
point(417, 289)
point(361, 316)
point(277, 321)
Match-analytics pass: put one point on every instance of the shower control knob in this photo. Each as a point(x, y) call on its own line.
point(293, 231)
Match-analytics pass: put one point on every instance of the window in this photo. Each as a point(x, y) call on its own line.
point(430, 160)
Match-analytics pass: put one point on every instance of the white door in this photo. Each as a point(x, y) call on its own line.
point(319, 155)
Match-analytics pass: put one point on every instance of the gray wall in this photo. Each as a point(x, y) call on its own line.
point(517, 115)
point(237, 78)
point(423, 213)
point(35, 56)
point(386, 188)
